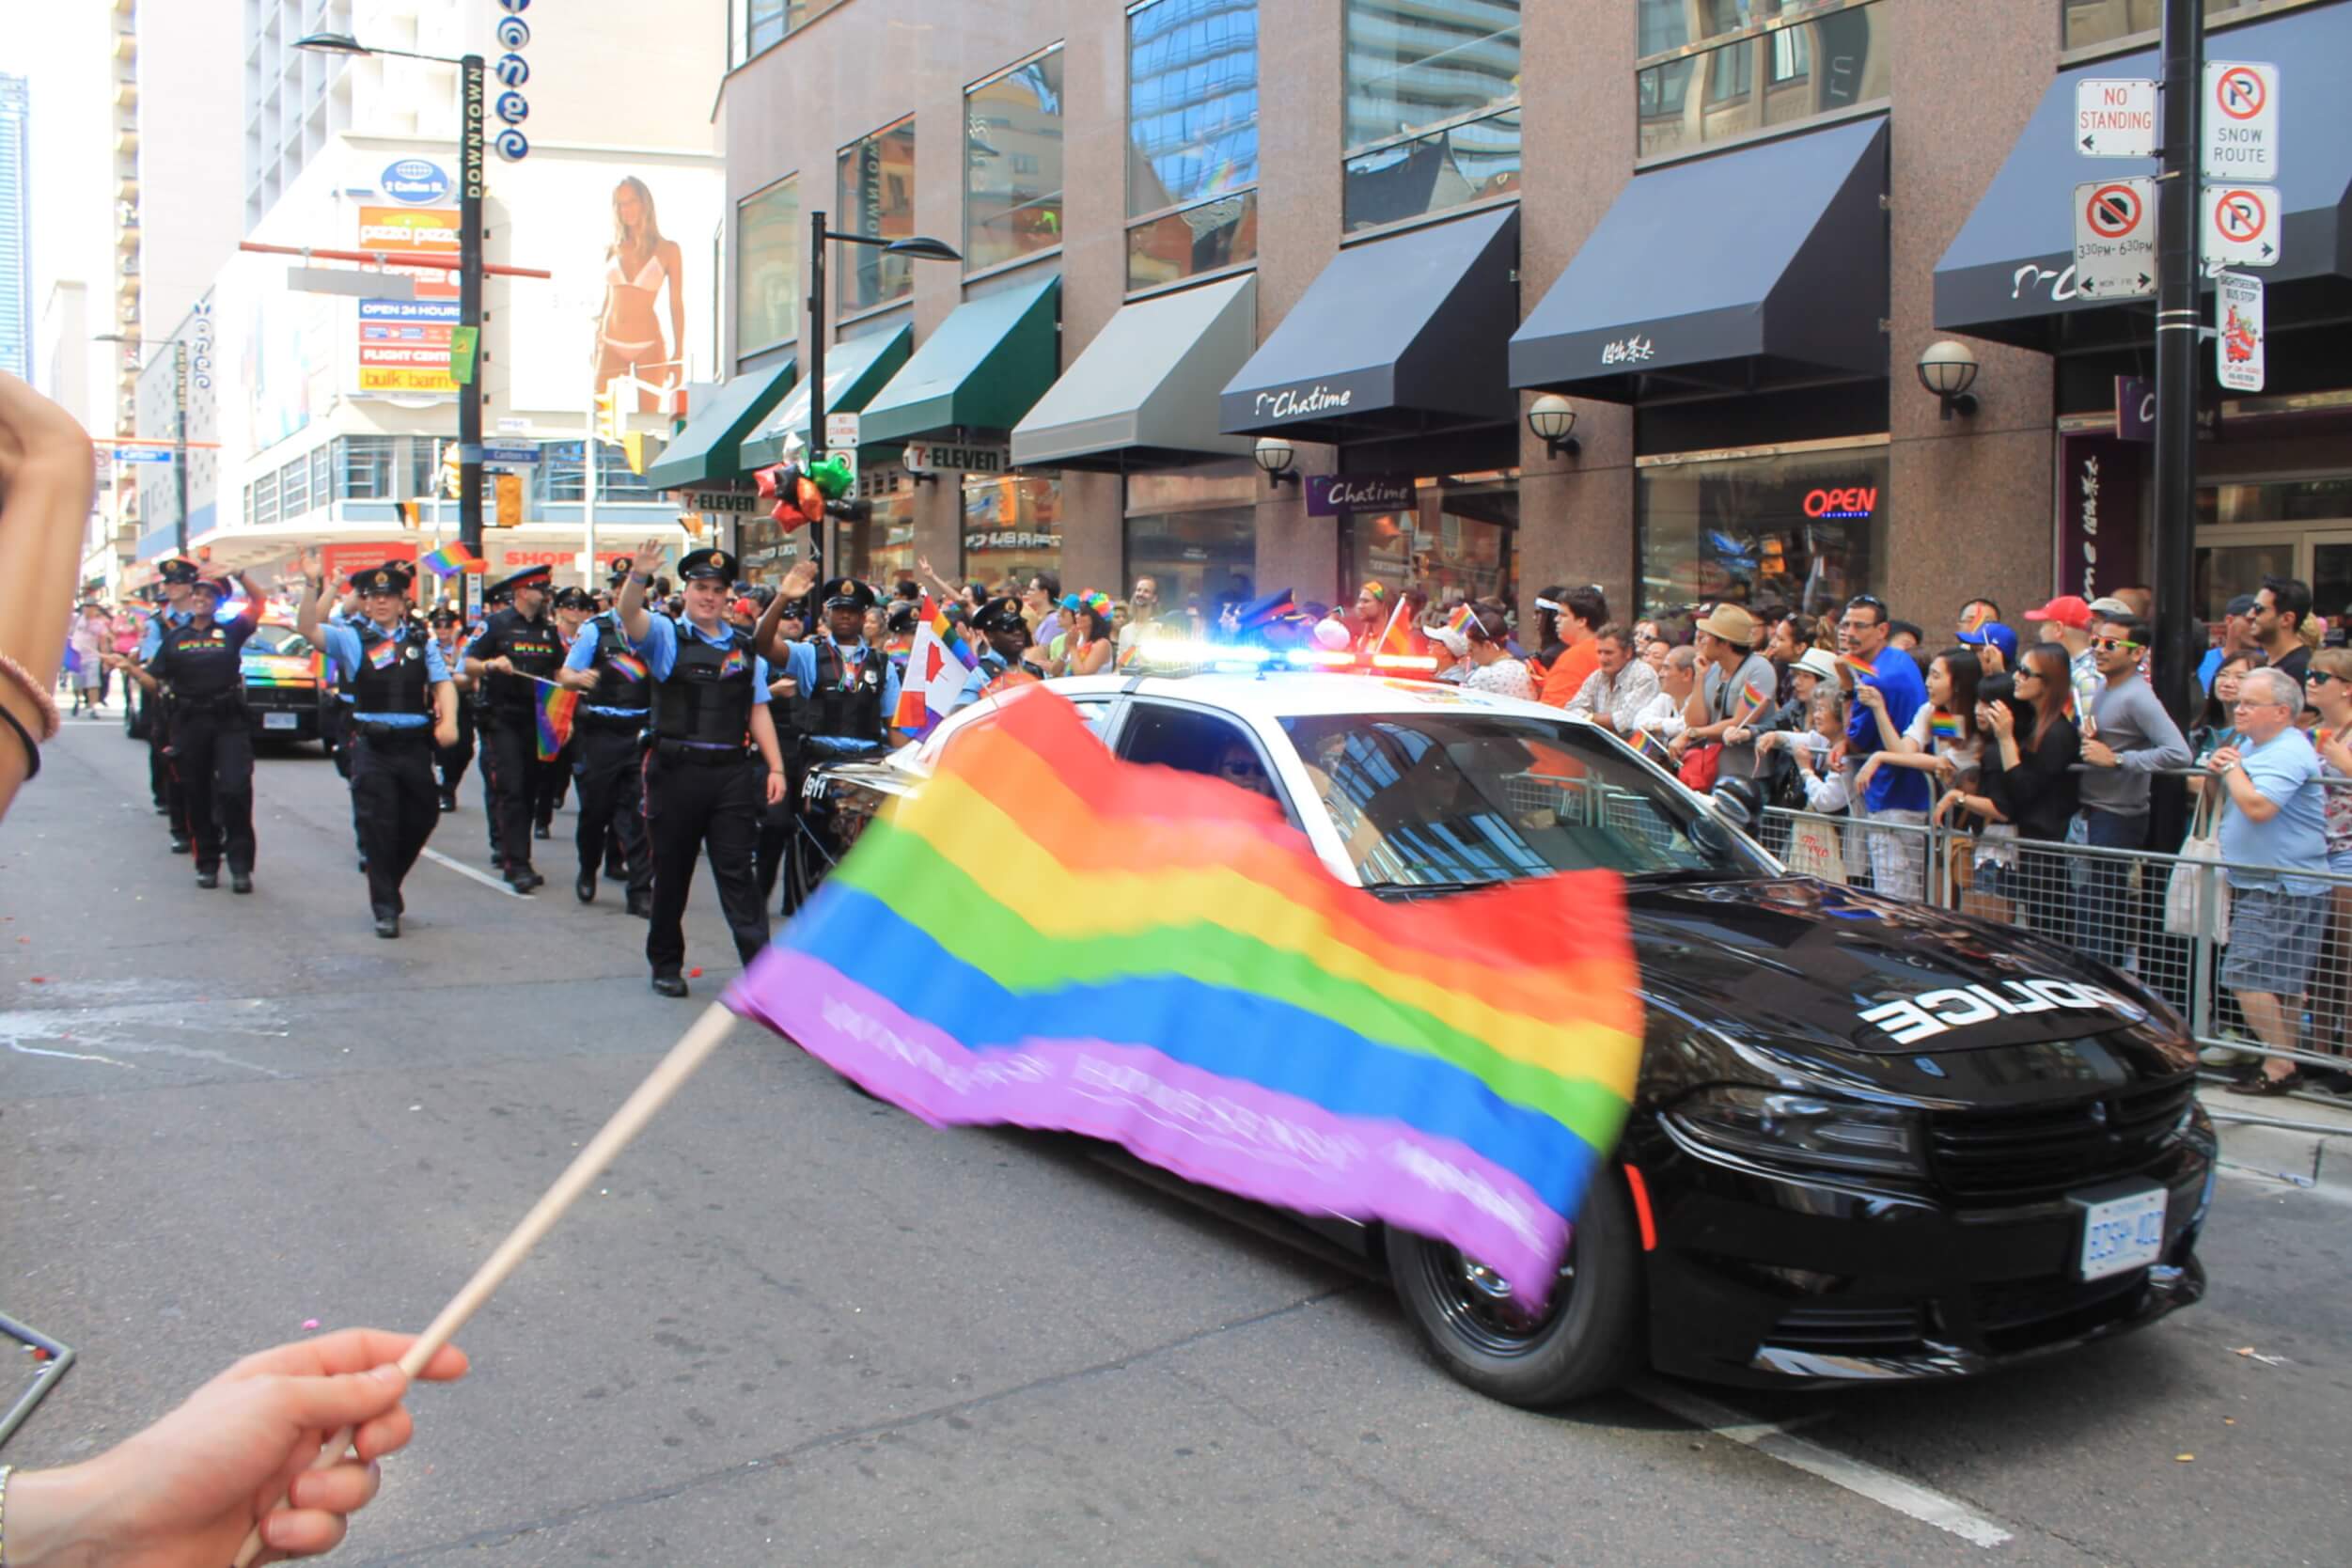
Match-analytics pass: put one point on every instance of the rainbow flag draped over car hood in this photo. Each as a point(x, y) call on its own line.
point(1045, 937)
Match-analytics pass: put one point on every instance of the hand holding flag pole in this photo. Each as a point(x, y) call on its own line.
point(668, 1076)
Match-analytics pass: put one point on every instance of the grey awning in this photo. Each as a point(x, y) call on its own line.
point(2009, 273)
point(1764, 264)
point(1143, 395)
point(1395, 337)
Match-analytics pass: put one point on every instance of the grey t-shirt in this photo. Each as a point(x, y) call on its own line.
point(1728, 699)
point(2144, 738)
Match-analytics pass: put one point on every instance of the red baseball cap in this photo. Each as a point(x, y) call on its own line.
point(2067, 609)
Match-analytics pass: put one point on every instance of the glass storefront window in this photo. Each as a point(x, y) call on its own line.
point(1202, 238)
point(1012, 529)
point(2086, 22)
point(563, 473)
point(874, 194)
point(1837, 57)
point(1013, 164)
point(1416, 64)
point(1449, 168)
point(2327, 499)
point(767, 267)
point(293, 488)
point(755, 26)
point(881, 549)
point(366, 464)
point(1803, 530)
point(1459, 538)
point(764, 552)
point(1192, 131)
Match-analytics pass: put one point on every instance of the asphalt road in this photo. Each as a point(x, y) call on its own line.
point(795, 1326)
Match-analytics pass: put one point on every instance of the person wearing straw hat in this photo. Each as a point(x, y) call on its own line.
point(1738, 695)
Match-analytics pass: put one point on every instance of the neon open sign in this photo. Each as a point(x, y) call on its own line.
point(1854, 502)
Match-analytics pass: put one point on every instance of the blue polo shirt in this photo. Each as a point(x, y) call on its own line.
point(151, 632)
point(341, 642)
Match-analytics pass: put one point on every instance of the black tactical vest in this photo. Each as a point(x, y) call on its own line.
point(534, 649)
point(391, 678)
point(847, 703)
point(708, 696)
point(615, 686)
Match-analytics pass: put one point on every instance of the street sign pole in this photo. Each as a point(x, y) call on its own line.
point(471, 180)
point(2178, 226)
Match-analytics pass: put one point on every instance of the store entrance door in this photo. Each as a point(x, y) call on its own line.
point(2230, 561)
point(2330, 575)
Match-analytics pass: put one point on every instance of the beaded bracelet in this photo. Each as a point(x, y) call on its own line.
point(45, 704)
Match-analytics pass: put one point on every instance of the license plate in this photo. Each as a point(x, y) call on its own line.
point(2122, 1232)
point(281, 721)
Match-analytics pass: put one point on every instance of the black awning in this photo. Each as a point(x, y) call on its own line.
point(1764, 265)
point(2009, 273)
point(1395, 337)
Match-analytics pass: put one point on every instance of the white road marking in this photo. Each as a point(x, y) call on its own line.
point(494, 883)
point(1862, 1479)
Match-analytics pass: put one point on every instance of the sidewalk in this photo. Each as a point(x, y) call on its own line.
point(2313, 1154)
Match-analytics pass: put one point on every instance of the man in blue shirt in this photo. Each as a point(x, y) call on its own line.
point(704, 792)
point(1896, 796)
point(178, 577)
point(615, 691)
point(403, 706)
point(2275, 827)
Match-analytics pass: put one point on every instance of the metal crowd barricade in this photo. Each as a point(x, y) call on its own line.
point(2116, 905)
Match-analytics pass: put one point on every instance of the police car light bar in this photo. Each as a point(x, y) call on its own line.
point(1193, 658)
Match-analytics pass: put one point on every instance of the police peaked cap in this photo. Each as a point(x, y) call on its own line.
point(698, 566)
point(180, 570)
point(530, 576)
point(621, 568)
point(444, 614)
point(391, 577)
point(999, 614)
point(574, 599)
point(848, 593)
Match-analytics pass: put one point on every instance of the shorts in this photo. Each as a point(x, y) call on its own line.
point(2274, 940)
point(2339, 861)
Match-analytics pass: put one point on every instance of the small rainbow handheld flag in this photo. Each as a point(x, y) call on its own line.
point(1980, 615)
point(1757, 691)
point(1651, 747)
point(1044, 937)
point(556, 704)
point(1459, 623)
point(322, 667)
point(1942, 726)
point(450, 559)
point(1862, 668)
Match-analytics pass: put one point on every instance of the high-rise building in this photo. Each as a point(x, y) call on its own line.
point(16, 238)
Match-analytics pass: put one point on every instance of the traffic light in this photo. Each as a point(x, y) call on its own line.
point(412, 513)
point(509, 488)
point(609, 426)
point(640, 449)
point(452, 471)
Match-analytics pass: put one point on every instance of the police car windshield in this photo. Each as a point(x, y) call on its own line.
point(1452, 799)
point(269, 638)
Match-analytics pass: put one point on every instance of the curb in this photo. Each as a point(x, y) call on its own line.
point(2309, 1151)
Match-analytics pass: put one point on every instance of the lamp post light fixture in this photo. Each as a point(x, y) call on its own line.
point(1273, 455)
point(473, 92)
point(1948, 369)
point(1551, 417)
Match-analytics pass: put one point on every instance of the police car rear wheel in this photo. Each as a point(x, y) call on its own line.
point(1586, 1340)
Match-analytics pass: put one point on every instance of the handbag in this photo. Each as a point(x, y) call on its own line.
point(2197, 899)
point(1816, 850)
point(1701, 763)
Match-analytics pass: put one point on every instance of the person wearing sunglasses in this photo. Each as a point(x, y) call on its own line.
point(2274, 854)
point(2328, 689)
point(2135, 738)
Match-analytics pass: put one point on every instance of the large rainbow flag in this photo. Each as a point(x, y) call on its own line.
point(1045, 937)
point(936, 668)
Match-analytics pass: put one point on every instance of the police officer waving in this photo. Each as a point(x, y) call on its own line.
point(210, 737)
point(845, 691)
point(519, 652)
point(402, 705)
point(616, 695)
point(701, 787)
point(178, 580)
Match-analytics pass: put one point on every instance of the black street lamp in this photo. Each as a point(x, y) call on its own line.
point(471, 180)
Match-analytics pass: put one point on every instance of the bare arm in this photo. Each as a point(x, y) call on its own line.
point(306, 607)
point(764, 642)
point(45, 478)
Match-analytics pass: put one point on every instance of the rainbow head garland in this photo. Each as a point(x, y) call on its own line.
point(1045, 937)
point(1379, 594)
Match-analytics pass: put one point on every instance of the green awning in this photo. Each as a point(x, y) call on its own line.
point(854, 370)
point(985, 366)
point(710, 449)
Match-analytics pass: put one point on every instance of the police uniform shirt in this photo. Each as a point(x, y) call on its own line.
point(231, 635)
point(490, 641)
point(992, 664)
point(344, 653)
point(800, 662)
point(660, 651)
point(583, 657)
point(168, 619)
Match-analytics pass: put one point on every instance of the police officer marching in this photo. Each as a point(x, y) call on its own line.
point(844, 693)
point(518, 650)
point(702, 789)
point(573, 607)
point(608, 728)
point(178, 578)
point(446, 626)
point(402, 705)
point(210, 738)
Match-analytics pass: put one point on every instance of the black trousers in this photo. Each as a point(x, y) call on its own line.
point(211, 756)
point(452, 760)
point(691, 808)
point(612, 802)
point(515, 774)
point(160, 778)
point(395, 804)
point(554, 779)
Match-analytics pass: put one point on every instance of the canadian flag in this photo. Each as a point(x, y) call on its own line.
point(935, 674)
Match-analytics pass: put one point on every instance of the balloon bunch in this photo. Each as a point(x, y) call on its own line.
point(801, 491)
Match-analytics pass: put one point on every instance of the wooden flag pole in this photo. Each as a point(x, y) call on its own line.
point(668, 1076)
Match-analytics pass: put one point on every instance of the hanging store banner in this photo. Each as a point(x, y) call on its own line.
point(2100, 487)
point(1335, 495)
